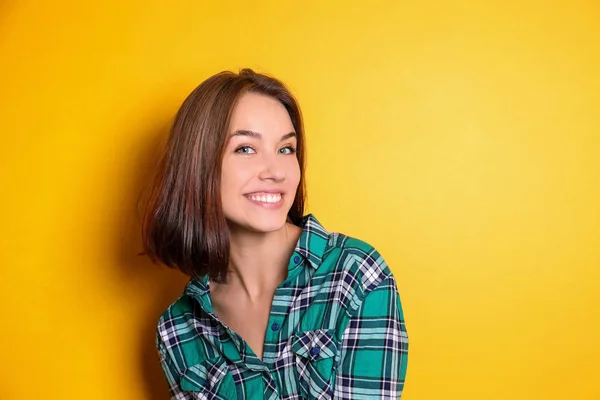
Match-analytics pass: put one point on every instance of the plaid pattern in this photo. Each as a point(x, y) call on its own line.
point(336, 331)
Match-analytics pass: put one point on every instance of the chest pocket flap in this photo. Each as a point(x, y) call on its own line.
point(315, 345)
point(211, 376)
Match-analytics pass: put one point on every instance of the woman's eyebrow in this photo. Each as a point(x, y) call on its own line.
point(244, 132)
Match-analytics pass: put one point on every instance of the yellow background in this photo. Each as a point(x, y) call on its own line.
point(461, 139)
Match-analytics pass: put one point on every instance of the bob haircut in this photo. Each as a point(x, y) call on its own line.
point(183, 225)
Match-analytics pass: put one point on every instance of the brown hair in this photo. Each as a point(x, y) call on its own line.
point(184, 225)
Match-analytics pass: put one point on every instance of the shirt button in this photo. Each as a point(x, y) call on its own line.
point(287, 284)
point(275, 326)
point(314, 351)
point(297, 259)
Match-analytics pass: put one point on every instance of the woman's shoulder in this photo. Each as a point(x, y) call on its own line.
point(355, 260)
point(182, 319)
point(177, 308)
point(188, 306)
point(174, 318)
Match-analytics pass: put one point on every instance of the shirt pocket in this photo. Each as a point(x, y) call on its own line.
point(315, 353)
point(210, 379)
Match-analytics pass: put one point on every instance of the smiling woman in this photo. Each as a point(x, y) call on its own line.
point(185, 225)
point(276, 306)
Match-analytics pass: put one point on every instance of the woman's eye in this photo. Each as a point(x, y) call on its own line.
point(288, 150)
point(244, 150)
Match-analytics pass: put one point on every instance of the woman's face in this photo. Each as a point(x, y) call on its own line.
point(260, 171)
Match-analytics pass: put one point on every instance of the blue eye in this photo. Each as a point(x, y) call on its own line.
point(291, 149)
point(239, 150)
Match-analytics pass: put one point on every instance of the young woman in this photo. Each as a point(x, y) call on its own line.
point(277, 307)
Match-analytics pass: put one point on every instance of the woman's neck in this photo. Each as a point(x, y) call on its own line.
point(258, 262)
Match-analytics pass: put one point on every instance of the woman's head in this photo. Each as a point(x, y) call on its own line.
point(260, 172)
point(235, 139)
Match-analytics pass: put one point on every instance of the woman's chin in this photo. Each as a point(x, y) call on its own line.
point(259, 224)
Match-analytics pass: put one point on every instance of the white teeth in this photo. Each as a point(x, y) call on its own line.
point(270, 198)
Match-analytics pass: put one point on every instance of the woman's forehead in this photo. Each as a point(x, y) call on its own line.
point(261, 114)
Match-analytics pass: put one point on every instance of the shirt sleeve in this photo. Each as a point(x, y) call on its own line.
point(170, 372)
point(374, 350)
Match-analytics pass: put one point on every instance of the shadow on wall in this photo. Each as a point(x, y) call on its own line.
point(158, 285)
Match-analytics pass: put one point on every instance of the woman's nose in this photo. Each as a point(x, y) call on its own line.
point(271, 168)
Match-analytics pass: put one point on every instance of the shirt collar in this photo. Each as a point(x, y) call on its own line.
point(313, 241)
point(311, 245)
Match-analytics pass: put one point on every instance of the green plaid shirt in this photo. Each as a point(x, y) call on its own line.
point(336, 330)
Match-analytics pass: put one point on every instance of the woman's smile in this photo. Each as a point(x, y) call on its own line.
point(267, 200)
